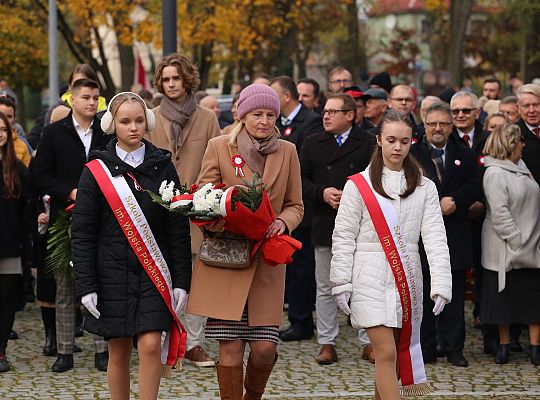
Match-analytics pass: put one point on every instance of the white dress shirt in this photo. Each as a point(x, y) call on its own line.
point(135, 158)
point(85, 136)
point(471, 136)
point(287, 120)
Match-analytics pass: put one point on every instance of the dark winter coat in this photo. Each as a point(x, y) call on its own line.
point(17, 218)
point(324, 164)
point(60, 159)
point(531, 151)
point(105, 263)
point(461, 180)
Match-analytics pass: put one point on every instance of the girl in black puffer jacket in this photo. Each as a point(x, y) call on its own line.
point(114, 286)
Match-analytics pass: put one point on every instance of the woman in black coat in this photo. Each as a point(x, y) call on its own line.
point(114, 286)
point(15, 245)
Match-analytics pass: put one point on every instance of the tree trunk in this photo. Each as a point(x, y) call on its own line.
point(127, 66)
point(460, 11)
point(354, 60)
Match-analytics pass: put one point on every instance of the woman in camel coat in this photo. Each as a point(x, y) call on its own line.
point(245, 305)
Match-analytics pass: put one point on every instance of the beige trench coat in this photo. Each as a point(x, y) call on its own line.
point(222, 293)
point(201, 127)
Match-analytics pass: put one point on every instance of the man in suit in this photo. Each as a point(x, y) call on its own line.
point(468, 130)
point(339, 78)
point(326, 160)
point(62, 153)
point(296, 123)
point(309, 93)
point(184, 128)
point(509, 107)
point(529, 109)
point(454, 170)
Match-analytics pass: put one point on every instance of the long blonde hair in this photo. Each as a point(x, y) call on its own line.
point(502, 141)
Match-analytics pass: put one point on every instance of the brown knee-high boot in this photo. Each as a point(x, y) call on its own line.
point(256, 378)
point(230, 381)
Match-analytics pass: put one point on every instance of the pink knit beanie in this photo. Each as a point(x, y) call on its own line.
point(257, 96)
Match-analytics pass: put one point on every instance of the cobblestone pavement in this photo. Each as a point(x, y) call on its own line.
point(296, 375)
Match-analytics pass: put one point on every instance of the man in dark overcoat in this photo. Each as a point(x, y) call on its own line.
point(529, 109)
point(295, 123)
point(326, 160)
point(454, 170)
point(62, 153)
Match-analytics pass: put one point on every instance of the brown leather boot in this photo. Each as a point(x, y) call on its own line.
point(230, 381)
point(256, 378)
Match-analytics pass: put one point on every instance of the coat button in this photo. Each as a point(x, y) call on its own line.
point(155, 166)
point(328, 167)
point(116, 167)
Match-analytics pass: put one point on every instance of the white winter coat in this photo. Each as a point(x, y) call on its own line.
point(359, 264)
point(511, 231)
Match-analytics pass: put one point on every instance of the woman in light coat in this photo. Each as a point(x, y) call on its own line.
point(360, 270)
point(245, 305)
point(510, 241)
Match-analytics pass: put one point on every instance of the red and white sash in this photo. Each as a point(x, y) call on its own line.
point(388, 228)
point(131, 218)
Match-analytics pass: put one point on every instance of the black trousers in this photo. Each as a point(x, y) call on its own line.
point(9, 294)
point(447, 330)
point(300, 283)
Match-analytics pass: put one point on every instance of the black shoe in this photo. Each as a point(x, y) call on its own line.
point(535, 355)
point(49, 348)
point(490, 346)
point(76, 348)
point(515, 346)
point(456, 359)
point(5, 366)
point(292, 334)
point(101, 360)
point(430, 356)
point(502, 354)
point(13, 335)
point(63, 363)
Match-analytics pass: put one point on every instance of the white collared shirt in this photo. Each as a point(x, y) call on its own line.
point(344, 135)
point(531, 128)
point(135, 158)
point(85, 136)
point(287, 120)
point(471, 136)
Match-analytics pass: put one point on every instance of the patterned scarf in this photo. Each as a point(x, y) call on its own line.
point(178, 112)
point(255, 151)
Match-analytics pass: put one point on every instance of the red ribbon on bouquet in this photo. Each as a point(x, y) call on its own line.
point(254, 224)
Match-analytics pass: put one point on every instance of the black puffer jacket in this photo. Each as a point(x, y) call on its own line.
point(103, 260)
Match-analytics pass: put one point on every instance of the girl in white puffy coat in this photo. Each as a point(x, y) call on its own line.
point(360, 271)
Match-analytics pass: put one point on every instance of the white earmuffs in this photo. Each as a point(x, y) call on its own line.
point(107, 123)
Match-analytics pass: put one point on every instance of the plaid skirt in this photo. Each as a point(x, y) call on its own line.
point(220, 329)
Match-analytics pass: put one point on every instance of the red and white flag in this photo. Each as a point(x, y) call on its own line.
point(140, 77)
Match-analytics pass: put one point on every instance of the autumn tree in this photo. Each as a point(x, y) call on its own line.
point(23, 49)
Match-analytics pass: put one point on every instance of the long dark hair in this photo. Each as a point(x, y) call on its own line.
point(413, 173)
point(10, 172)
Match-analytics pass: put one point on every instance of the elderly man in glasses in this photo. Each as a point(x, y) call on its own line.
point(457, 176)
point(465, 112)
point(338, 79)
point(326, 160)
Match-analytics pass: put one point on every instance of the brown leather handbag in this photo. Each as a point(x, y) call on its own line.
point(225, 250)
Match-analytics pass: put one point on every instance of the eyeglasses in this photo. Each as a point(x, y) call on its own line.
point(331, 112)
point(442, 124)
point(402, 99)
point(341, 81)
point(465, 111)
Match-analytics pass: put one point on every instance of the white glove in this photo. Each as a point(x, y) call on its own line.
point(440, 302)
point(89, 301)
point(180, 299)
point(342, 301)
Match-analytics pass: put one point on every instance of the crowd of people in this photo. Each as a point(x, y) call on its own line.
point(393, 208)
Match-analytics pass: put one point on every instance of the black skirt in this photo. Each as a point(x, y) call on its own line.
point(517, 303)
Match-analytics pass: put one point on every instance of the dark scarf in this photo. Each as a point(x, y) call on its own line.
point(178, 112)
point(254, 151)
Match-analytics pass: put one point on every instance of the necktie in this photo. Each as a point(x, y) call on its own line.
point(339, 139)
point(436, 156)
point(466, 138)
point(537, 132)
